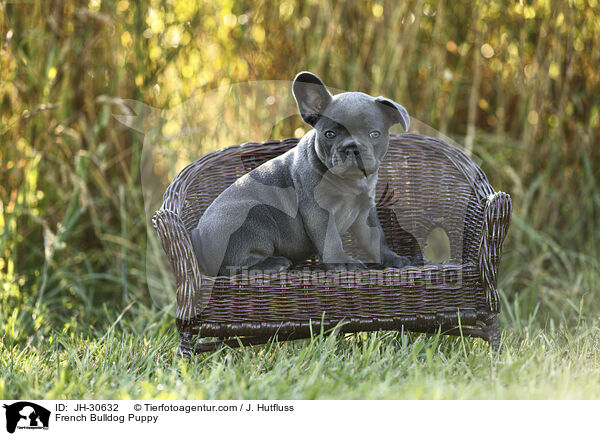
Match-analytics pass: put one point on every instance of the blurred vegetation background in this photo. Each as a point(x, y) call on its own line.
point(516, 82)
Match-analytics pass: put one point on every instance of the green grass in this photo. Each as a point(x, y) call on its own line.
point(540, 365)
point(134, 360)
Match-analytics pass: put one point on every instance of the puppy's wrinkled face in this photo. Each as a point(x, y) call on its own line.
point(352, 128)
point(352, 135)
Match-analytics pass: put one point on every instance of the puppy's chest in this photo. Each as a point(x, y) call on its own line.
point(346, 208)
point(344, 201)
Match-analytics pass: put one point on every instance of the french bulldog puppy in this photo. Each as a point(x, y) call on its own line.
point(301, 202)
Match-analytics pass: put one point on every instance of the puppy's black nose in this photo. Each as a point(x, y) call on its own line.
point(351, 149)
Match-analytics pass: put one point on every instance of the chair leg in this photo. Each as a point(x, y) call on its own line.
point(492, 331)
point(187, 342)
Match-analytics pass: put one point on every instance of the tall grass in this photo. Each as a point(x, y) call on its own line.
point(518, 84)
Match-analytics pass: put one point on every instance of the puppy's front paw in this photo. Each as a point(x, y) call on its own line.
point(348, 266)
point(271, 265)
point(396, 261)
point(417, 260)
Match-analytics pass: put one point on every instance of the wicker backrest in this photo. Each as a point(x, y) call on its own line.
point(424, 183)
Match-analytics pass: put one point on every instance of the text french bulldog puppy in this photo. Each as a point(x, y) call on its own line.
point(300, 203)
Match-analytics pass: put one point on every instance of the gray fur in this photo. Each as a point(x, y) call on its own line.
point(300, 203)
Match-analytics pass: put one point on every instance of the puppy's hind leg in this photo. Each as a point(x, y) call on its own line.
point(252, 248)
point(271, 265)
point(257, 264)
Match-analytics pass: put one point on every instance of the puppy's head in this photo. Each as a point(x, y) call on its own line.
point(352, 128)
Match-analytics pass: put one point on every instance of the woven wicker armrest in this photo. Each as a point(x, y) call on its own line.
point(496, 219)
point(177, 244)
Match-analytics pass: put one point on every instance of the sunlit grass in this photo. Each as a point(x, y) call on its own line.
point(536, 364)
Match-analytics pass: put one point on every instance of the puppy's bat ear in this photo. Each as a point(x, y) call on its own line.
point(311, 96)
point(396, 112)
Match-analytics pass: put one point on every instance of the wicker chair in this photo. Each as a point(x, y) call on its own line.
point(423, 184)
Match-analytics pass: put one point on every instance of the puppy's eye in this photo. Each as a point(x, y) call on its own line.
point(375, 134)
point(330, 134)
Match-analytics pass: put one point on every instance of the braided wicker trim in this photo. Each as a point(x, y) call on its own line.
point(177, 245)
point(496, 220)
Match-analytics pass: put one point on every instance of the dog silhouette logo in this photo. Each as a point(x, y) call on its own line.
point(26, 415)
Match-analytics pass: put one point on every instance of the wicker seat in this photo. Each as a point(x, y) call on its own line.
point(424, 184)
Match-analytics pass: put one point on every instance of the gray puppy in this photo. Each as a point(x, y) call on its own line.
point(300, 203)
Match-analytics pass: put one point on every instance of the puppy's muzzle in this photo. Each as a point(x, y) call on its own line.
point(351, 150)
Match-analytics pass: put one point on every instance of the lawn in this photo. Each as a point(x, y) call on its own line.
point(137, 359)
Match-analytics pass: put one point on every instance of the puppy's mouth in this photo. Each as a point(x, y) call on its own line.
point(360, 165)
point(348, 162)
